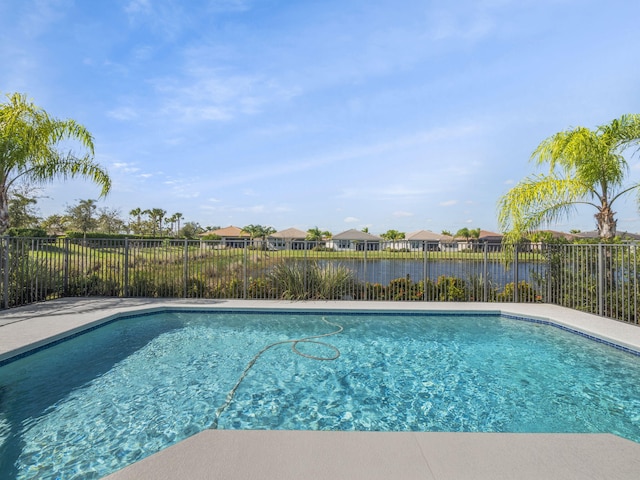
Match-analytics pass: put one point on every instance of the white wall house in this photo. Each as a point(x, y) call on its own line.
point(355, 240)
point(289, 239)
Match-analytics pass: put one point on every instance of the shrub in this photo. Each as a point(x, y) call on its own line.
point(526, 293)
point(298, 280)
point(451, 289)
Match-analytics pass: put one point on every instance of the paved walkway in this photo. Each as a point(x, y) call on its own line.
point(219, 454)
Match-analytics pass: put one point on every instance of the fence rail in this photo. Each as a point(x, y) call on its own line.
point(600, 279)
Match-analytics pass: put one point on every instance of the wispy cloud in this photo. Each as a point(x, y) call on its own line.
point(355, 152)
point(123, 113)
point(448, 203)
point(402, 214)
point(467, 24)
point(210, 94)
point(165, 18)
point(125, 167)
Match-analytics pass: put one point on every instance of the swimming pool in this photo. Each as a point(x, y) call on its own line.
point(136, 385)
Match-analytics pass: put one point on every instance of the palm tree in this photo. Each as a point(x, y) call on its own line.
point(258, 231)
point(464, 233)
point(393, 236)
point(316, 235)
point(34, 147)
point(137, 213)
point(175, 219)
point(252, 230)
point(585, 167)
point(156, 215)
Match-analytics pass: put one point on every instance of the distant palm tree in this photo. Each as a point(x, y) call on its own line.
point(176, 218)
point(316, 235)
point(258, 231)
point(35, 147)
point(156, 216)
point(464, 233)
point(393, 236)
point(137, 213)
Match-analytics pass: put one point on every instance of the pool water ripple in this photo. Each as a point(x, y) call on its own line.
point(133, 387)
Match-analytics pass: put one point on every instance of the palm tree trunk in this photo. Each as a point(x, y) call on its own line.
point(606, 221)
point(4, 210)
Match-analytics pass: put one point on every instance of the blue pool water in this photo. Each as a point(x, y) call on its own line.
point(95, 403)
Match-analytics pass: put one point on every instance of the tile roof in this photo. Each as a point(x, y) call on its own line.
point(427, 235)
point(290, 233)
point(230, 231)
point(354, 234)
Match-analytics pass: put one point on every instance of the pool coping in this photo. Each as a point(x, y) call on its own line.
point(354, 455)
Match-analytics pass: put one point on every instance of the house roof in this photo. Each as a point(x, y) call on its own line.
point(227, 232)
point(556, 234)
point(487, 235)
point(427, 235)
point(621, 235)
point(290, 233)
point(354, 234)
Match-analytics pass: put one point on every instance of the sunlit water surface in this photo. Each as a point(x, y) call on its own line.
point(102, 400)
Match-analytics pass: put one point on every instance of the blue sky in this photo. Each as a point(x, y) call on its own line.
point(338, 114)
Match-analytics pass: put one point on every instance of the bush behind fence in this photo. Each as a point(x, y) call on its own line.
point(600, 279)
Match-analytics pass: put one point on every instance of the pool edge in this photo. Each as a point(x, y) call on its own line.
point(40, 325)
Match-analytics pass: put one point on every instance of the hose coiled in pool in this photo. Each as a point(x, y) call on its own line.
point(294, 347)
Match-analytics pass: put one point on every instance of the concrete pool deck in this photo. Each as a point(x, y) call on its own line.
point(228, 454)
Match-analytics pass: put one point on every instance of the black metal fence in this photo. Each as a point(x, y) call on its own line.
point(600, 279)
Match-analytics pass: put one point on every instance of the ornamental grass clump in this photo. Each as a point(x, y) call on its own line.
point(298, 280)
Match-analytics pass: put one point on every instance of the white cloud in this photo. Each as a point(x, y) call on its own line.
point(448, 203)
point(138, 6)
point(351, 220)
point(123, 113)
point(125, 167)
point(402, 214)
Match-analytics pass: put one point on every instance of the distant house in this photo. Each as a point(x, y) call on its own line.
point(355, 240)
point(290, 239)
point(490, 237)
point(230, 237)
point(624, 236)
point(425, 240)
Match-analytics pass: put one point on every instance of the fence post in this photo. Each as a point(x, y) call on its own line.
point(304, 269)
point(549, 274)
point(425, 270)
point(65, 280)
point(634, 258)
point(5, 260)
point(244, 270)
point(600, 279)
point(485, 272)
point(364, 264)
point(515, 273)
point(125, 288)
point(186, 267)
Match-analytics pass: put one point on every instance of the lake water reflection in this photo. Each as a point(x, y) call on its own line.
point(383, 271)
